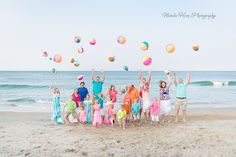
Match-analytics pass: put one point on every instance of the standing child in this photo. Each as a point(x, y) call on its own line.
point(110, 114)
point(100, 98)
point(87, 106)
point(121, 116)
point(56, 105)
point(155, 107)
point(69, 109)
point(82, 115)
point(97, 118)
point(127, 103)
point(135, 111)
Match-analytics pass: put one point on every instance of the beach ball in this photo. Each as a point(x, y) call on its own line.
point(147, 60)
point(57, 58)
point(111, 58)
point(92, 41)
point(167, 72)
point(54, 70)
point(72, 60)
point(121, 39)
point(170, 48)
point(45, 54)
point(144, 46)
point(77, 39)
point(195, 47)
point(76, 64)
point(126, 68)
point(80, 77)
point(80, 50)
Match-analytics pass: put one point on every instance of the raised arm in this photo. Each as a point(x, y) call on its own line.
point(188, 78)
point(169, 81)
point(51, 88)
point(140, 76)
point(103, 75)
point(175, 82)
point(92, 74)
point(149, 76)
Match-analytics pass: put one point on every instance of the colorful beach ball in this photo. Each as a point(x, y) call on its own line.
point(126, 68)
point(147, 60)
point(80, 50)
point(121, 39)
point(92, 41)
point(195, 47)
point(76, 64)
point(45, 54)
point(170, 48)
point(77, 39)
point(80, 77)
point(111, 58)
point(72, 60)
point(144, 46)
point(57, 58)
point(54, 70)
point(167, 72)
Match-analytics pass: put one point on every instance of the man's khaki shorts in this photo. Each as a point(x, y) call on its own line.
point(181, 104)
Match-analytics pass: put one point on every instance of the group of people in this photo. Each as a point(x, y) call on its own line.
point(100, 109)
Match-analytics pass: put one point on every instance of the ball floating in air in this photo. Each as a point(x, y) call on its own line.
point(77, 39)
point(45, 54)
point(121, 39)
point(76, 64)
point(72, 60)
point(147, 60)
point(57, 58)
point(80, 50)
point(80, 77)
point(126, 68)
point(92, 41)
point(144, 46)
point(170, 48)
point(195, 47)
point(54, 70)
point(167, 72)
point(111, 58)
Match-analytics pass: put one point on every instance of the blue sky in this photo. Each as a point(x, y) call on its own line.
point(30, 27)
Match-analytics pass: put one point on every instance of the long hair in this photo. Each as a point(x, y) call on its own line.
point(160, 84)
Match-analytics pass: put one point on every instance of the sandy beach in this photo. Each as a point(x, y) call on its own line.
point(211, 132)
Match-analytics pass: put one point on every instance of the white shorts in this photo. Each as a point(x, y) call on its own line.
point(136, 117)
point(155, 118)
point(165, 107)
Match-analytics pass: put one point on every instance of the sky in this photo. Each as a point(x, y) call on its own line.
point(29, 27)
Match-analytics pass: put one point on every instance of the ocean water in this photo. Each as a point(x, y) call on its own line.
point(29, 91)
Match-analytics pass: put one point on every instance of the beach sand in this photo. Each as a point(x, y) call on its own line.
point(208, 132)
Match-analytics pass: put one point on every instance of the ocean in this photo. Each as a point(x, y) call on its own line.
point(29, 91)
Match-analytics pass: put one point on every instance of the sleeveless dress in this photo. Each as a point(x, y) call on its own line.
point(109, 113)
point(56, 107)
point(165, 105)
point(87, 108)
point(145, 96)
point(82, 116)
point(97, 116)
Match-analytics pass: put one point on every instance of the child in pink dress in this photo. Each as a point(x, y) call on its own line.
point(155, 107)
point(110, 114)
point(82, 115)
point(97, 118)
